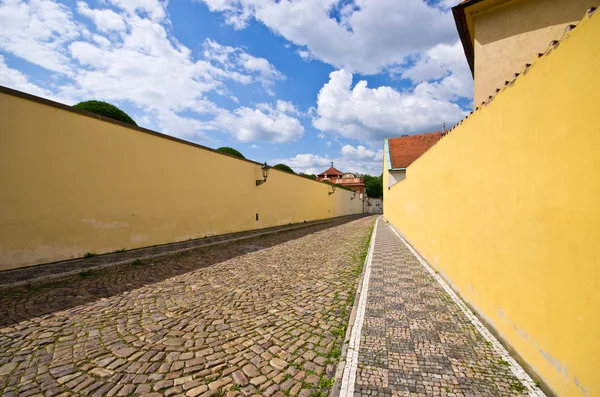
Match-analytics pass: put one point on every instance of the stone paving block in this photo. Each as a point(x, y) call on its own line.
point(415, 340)
point(197, 324)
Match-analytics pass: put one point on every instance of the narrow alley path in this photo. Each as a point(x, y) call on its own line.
point(411, 337)
point(262, 316)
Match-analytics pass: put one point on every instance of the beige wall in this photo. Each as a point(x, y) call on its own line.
point(506, 207)
point(73, 184)
point(510, 35)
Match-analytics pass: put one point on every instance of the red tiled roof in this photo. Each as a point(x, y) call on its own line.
point(331, 171)
point(404, 150)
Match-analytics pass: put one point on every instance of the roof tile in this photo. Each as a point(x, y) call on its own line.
point(331, 171)
point(404, 150)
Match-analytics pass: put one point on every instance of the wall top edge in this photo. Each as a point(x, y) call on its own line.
point(62, 106)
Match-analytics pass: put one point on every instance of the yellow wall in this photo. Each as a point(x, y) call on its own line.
point(507, 208)
point(72, 184)
point(510, 35)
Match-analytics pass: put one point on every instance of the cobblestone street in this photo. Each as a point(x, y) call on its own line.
point(262, 316)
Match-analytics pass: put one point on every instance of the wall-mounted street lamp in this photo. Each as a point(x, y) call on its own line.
point(265, 173)
point(332, 190)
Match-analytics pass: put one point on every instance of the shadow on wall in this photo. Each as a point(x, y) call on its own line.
point(98, 185)
point(23, 304)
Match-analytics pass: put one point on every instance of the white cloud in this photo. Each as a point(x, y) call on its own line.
point(370, 114)
point(232, 59)
point(265, 123)
point(37, 32)
point(101, 40)
point(359, 153)
point(447, 65)
point(16, 80)
point(350, 159)
point(133, 58)
point(369, 36)
point(106, 20)
point(154, 8)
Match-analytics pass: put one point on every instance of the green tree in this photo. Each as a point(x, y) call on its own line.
point(231, 151)
point(105, 109)
point(283, 167)
point(309, 176)
point(375, 187)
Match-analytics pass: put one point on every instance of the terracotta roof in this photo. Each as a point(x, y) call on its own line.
point(331, 171)
point(404, 150)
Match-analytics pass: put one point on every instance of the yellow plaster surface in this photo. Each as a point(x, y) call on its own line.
point(507, 208)
point(72, 184)
point(509, 35)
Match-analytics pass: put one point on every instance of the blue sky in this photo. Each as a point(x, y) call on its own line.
point(301, 82)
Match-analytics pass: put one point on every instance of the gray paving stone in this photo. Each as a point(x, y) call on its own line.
point(198, 324)
point(415, 340)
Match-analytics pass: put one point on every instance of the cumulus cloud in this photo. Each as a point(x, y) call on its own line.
point(265, 123)
point(37, 31)
point(105, 20)
point(132, 57)
point(154, 8)
point(446, 66)
point(350, 159)
point(231, 58)
point(366, 36)
point(14, 79)
point(413, 40)
point(371, 114)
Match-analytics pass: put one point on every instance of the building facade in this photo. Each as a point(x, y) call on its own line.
point(347, 179)
point(500, 36)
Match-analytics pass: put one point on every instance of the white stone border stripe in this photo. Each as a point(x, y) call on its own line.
point(349, 377)
point(516, 369)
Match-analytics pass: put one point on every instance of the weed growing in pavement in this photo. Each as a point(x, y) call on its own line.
point(518, 387)
point(297, 365)
point(236, 387)
point(118, 251)
point(90, 255)
point(336, 352)
point(339, 331)
point(318, 394)
point(503, 362)
point(137, 262)
point(324, 382)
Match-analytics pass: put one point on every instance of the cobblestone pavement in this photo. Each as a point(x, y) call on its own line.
point(263, 316)
point(415, 340)
point(8, 277)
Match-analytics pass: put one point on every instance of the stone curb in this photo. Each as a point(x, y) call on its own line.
point(64, 275)
point(339, 373)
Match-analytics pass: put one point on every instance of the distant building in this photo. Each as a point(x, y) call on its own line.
point(347, 179)
point(402, 151)
point(375, 206)
point(500, 36)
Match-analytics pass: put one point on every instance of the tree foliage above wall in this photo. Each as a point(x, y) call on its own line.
point(231, 151)
point(105, 109)
point(309, 176)
point(283, 167)
point(374, 185)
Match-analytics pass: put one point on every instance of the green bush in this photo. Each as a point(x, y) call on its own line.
point(231, 151)
point(308, 176)
point(105, 109)
point(283, 167)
